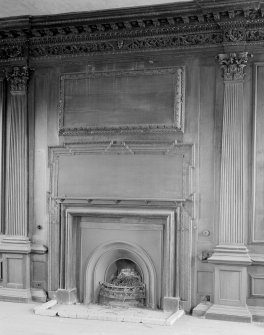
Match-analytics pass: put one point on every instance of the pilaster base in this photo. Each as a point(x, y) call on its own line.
point(230, 254)
point(15, 252)
point(229, 313)
point(67, 297)
point(230, 285)
point(15, 244)
point(15, 295)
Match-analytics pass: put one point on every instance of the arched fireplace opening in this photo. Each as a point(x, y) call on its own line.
point(119, 262)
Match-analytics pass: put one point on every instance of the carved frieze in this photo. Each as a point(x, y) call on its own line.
point(233, 65)
point(167, 27)
point(127, 45)
point(9, 51)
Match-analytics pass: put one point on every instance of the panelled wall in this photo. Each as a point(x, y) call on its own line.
point(203, 86)
point(202, 130)
point(170, 127)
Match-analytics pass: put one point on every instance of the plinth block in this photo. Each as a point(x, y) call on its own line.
point(15, 295)
point(171, 304)
point(67, 297)
point(229, 313)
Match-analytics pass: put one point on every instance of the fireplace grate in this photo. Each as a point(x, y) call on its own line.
point(119, 292)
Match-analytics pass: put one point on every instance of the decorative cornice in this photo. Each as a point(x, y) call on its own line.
point(18, 79)
point(128, 30)
point(233, 65)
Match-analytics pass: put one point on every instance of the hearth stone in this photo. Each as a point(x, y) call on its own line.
point(108, 313)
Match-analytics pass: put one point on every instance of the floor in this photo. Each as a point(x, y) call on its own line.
point(19, 319)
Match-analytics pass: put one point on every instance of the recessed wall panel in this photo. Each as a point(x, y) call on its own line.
point(122, 176)
point(258, 162)
point(128, 99)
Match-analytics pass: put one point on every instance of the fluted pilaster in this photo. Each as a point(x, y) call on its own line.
point(232, 171)
point(231, 224)
point(230, 257)
point(17, 155)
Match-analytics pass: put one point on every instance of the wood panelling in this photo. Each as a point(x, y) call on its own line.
point(123, 170)
point(205, 282)
point(2, 150)
point(230, 285)
point(14, 273)
point(207, 153)
point(257, 231)
point(257, 285)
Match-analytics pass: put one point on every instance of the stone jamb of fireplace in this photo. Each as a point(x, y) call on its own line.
point(69, 262)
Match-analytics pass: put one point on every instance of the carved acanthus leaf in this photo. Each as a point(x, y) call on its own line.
point(233, 65)
point(18, 79)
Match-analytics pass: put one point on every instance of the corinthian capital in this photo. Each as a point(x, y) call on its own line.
point(233, 65)
point(18, 78)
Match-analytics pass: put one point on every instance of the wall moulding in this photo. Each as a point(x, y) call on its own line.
point(127, 163)
point(257, 285)
point(84, 109)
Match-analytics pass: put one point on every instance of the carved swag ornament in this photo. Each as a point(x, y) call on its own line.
point(233, 65)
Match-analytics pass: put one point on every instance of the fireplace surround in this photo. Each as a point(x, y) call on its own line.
point(141, 208)
point(94, 238)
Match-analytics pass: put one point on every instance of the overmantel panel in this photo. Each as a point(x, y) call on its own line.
point(122, 170)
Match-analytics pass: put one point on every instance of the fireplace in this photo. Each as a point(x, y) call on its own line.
point(100, 242)
point(121, 201)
